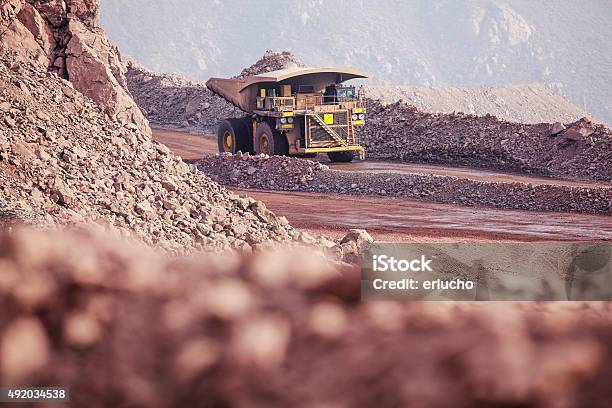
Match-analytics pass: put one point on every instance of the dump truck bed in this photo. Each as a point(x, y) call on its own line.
point(242, 92)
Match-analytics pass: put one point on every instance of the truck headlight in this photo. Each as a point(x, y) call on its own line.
point(361, 116)
point(354, 116)
point(283, 120)
point(289, 120)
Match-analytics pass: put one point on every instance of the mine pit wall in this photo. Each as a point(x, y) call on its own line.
point(62, 36)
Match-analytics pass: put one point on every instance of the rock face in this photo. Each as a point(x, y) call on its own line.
point(62, 36)
point(257, 331)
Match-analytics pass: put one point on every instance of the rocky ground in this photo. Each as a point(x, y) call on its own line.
point(267, 330)
point(399, 132)
point(61, 155)
point(292, 174)
point(177, 102)
point(67, 159)
point(124, 325)
point(63, 159)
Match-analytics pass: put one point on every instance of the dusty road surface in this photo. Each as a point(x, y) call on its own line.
point(188, 146)
point(390, 219)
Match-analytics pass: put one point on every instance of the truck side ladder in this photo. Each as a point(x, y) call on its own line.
point(328, 129)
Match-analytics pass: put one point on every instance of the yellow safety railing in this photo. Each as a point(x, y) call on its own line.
point(328, 129)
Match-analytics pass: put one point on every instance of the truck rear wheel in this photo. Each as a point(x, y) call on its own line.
point(233, 135)
point(270, 141)
point(341, 157)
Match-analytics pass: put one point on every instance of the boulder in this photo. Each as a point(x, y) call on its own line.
point(54, 12)
point(63, 196)
point(556, 128)
point(144, 209)
point(218, 214)
point(261, 211)
point(169, 184)
point(22, 150)
point(10, 122)
point(577, 133)
point(359, 236)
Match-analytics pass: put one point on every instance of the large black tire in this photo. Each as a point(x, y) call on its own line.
point(341, 157)
point(234, 135)
point(270, 141)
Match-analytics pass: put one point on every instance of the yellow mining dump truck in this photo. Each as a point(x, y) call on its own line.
point(297, 111)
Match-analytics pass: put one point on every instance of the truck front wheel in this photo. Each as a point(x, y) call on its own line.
point(270, 141)
point(233, 135)
point(341, 157)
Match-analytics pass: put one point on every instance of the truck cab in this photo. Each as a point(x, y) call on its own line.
point(339, 93)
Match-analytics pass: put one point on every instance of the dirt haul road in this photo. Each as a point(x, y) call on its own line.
point(390, 219)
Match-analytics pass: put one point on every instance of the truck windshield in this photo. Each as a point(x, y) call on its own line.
point(345, 94)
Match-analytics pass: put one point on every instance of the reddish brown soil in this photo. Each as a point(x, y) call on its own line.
point(188, 146)
point(389, 219)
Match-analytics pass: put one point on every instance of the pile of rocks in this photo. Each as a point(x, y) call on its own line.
point(260, 171)
point(272, 61)
point(173, 101)
point(60, 154)
point(176, 102)
point(293, 174)
point(578, 150)
point(62, 36)
point(266, 330)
